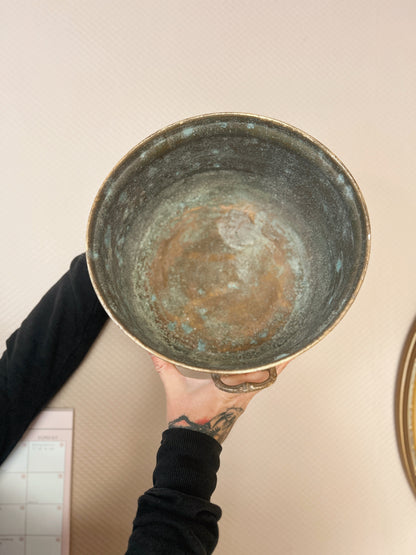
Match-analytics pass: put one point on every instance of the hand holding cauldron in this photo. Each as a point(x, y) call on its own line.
point(197, 404)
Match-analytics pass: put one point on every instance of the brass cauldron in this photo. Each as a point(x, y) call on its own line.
point(227, 243)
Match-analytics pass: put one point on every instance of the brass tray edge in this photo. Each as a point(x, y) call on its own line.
point(406, 373)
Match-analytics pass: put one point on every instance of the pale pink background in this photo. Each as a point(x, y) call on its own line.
point(313, 466)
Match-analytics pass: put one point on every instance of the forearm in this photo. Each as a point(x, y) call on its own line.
point(176, 515)
point(45, 350)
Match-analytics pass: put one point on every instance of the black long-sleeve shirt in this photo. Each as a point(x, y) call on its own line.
point(173, 517)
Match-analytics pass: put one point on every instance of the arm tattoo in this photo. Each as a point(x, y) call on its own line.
point(218, 427)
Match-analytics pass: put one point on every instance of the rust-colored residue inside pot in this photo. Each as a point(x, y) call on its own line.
point(222, 279)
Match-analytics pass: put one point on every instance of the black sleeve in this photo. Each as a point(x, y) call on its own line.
point(47, 348)
point(176, 517)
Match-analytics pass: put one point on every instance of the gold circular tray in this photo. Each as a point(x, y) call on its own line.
point(406, 408)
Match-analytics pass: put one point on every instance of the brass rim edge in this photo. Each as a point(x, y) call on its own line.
point(407, 370)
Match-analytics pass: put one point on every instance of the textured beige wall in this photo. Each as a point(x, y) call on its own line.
point(313, 466)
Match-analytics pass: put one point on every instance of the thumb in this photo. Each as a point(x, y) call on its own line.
point(167, 371)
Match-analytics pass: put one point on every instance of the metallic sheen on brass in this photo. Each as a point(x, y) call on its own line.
point(245, 387)
point(406, 408)
point(228, 243)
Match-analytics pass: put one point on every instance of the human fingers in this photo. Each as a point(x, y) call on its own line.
point(168, 373)
point(160, 365)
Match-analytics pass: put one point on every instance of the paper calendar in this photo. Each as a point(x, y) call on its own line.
point(35, 488)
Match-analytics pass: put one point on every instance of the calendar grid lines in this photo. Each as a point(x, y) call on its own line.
point(35, 490)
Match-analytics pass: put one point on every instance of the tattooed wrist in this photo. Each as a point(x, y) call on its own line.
point(217, 427)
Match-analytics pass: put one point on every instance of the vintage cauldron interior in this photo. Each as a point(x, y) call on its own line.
point(228, 242)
